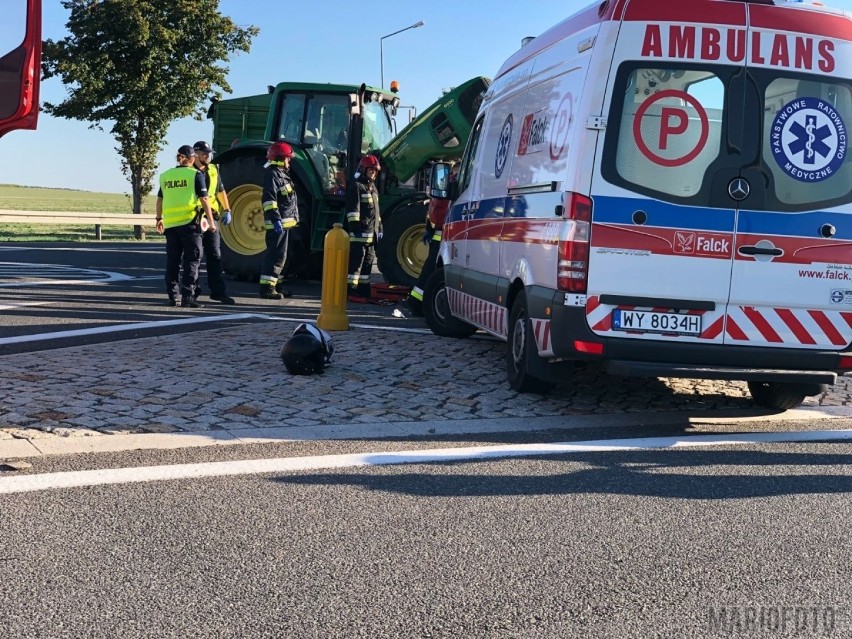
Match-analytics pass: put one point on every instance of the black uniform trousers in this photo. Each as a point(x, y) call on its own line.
point(212, 243)
point(183, 259)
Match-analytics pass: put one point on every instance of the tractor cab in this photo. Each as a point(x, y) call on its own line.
point(332, 127)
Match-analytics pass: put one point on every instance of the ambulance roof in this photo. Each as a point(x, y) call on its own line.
point(812, 17)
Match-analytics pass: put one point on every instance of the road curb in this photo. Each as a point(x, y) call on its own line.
point(25, 448)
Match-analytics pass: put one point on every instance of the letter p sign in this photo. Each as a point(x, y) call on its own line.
point(680, 141)
point(667, 126)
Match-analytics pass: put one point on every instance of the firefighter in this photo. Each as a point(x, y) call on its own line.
point(435, 215)
point(181, 201)
point(364, 223)
point(280, 218)
point(210, 239)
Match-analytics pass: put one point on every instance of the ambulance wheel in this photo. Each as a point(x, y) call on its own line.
point(436, 309)
point(776, 395)
point(520, 349)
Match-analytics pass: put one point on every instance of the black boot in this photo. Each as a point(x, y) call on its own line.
point(268, 292)
point(279, 288)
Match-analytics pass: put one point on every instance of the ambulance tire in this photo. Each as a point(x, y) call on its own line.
point(519, 348)
point(777, 395)
point(436, 309)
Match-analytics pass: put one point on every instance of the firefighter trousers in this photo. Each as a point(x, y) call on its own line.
point(275, 257)
point(362, 256)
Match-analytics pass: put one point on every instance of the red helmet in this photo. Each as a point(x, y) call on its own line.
point(278, 151)
point(369, 161)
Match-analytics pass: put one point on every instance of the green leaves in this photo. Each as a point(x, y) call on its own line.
point(138, 65)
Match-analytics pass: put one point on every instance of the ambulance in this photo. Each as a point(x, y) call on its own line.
point(661, 187)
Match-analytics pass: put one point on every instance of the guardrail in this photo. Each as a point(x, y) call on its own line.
point(59, 218)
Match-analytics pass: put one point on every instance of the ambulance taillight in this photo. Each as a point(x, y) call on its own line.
point(572, 268)
point(846, 361)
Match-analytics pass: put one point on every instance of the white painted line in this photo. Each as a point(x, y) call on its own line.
point(108, 476)
point(32, 270)
point(118, 328)
point(12, 307)
point(127, 327)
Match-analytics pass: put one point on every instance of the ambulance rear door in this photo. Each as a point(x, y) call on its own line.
point(663, 225)
point(791, 285)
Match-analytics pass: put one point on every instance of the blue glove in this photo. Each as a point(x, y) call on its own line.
point(427, 236)
point(276, 226)
point(226, 217)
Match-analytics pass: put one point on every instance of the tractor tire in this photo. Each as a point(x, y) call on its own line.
point(401, 253)
point(436, 309)
point(519, 348)
point(244, 239)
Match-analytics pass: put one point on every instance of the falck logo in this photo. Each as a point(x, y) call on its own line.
point(684, 242)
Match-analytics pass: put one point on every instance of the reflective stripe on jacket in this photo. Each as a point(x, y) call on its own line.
point(279, 198)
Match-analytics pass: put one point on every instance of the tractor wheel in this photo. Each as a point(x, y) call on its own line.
point(400, 252)
point(244, 239)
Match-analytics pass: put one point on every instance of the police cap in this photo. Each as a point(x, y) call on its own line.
point(186, 151)
point(202, 147)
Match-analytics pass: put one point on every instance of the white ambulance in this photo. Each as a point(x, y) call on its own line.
point(661, 186)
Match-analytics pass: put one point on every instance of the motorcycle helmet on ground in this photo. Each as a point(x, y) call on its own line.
point(308, 351)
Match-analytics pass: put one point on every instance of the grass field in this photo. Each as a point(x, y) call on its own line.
point(31, 198)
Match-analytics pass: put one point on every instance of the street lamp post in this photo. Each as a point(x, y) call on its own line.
point(382, 42)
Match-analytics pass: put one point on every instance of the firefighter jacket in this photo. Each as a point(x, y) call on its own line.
point(279, 198)
point(180, 191)
point(435, 216)
point(363, 219)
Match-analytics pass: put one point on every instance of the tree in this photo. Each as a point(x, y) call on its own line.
point(140, 65)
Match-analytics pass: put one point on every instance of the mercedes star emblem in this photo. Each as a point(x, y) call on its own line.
point(738, 189)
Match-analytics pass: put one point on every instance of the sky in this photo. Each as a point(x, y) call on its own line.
point(305, 41)
point(332, 41)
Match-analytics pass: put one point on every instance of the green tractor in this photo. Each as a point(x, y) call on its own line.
point(330, 126)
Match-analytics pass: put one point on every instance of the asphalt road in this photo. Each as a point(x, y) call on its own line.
point(53, 287)
point(616, 537)
point(637, 543)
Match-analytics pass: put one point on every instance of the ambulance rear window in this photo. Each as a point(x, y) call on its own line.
point(670, 129)
point(805, 140)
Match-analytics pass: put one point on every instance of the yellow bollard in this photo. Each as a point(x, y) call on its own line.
point(335, 267)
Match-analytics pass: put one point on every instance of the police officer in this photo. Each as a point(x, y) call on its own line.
point(280, 218)
point(181, 202)
point(211, 239)
point(364, 223)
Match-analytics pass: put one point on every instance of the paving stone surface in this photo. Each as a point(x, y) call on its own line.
point(233, 378)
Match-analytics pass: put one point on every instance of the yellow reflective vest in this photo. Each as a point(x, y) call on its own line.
point(213, 188)
point(180, 202)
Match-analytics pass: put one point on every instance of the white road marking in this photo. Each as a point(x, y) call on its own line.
point(102, 477)
point(118, 328)
point(30, 274)
point(16, 305)
point(83, 332)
